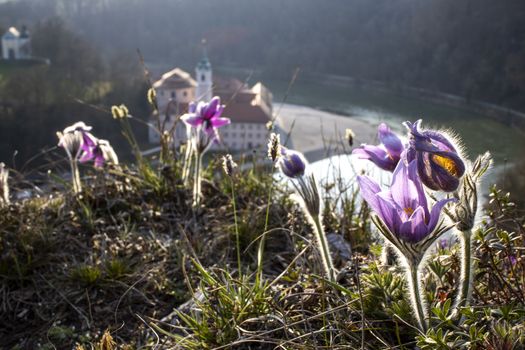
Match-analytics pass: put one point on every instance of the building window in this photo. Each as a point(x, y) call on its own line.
point(185, 93)
point(242, 126)
point(225, 134)
point(203, 77)
point(173, 94)
point(250, 136)
point(249, 126)
point(161, 92)
point(234, 135)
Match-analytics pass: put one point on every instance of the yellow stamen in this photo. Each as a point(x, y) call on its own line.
point(446, 163)
point(408, 211)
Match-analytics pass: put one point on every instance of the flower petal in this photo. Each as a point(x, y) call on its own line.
point(415, 228)
point(99, 160)
point(436, 213)
point(201, 108)
point(192, 119)
point(192, 107)
point(218, 122)
point(377, 155)
point(440, 170)
point(369, 190)
point(218, 111)
point(391, 141)
point(389, 214)
point(88, 141)
point(404, 191)
point(209, 111)
point(413, 176)
point(440, 140)
point(86, 157)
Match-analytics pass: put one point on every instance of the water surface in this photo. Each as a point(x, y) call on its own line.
point(478, 132)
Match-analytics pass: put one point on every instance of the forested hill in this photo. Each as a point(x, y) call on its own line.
point(473, 48)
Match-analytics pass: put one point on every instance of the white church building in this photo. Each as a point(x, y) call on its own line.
point(249, 108)
point(16, 45)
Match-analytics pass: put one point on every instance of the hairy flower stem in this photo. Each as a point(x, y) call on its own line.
point(323, 248)
point(465, 290)
point(186, 166)
point(197, 180)
point(237, 237)
point(413, 285)
point(260, 251)
point(75, 176)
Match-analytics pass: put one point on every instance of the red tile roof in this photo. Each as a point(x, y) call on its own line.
point(245, 113)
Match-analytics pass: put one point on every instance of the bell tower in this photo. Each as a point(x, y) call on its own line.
point(203, 75)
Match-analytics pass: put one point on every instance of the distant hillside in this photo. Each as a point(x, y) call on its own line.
point(8, 68)
point(475, 49)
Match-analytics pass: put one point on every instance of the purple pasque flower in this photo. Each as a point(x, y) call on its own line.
point(387, 156)
point(101, 154)
point(443, 244)
point(206, 116)
point(291, 163)
point(513, 260)
point(76, 139)
point(438, 163)
point(403, 208)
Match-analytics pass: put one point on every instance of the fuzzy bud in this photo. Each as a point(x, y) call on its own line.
point(115, 111)
point(439, 163)
point(125, 111)
point(291, 163)
point(467, 194)
point(228, 164)
point(349, 136)
point(119, 112)
point(152, 97)
point(166, 138)
point(274, 146)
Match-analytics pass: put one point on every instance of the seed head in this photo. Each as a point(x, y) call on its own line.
point(152, 97)
point(349, 136)
point(274, 146)
point(120, 112)
point(228, 164)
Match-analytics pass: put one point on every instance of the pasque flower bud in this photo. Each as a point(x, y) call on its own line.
point(438, 162)
point(291, 163)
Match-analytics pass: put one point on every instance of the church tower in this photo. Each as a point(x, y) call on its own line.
point(203, 75)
